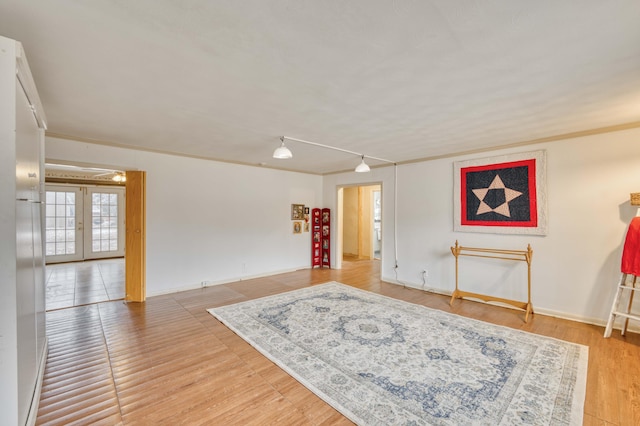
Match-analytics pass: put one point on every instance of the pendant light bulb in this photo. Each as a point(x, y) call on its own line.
point(362, 167)
point(282, 152)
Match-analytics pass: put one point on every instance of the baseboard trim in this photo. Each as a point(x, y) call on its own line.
point(538, 311)
point(224, 281)
point(35, 401)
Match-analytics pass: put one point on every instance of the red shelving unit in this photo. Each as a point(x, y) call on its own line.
point(321, 238)
point(326, 238)
point(316, 239)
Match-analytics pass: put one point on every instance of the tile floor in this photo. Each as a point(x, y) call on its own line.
point(81, 283)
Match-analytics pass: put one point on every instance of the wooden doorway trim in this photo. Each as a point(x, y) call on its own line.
point(135, 237)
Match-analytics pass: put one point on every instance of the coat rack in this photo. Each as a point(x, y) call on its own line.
point(517, 255)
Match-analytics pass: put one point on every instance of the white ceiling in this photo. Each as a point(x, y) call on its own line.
point(400, 80)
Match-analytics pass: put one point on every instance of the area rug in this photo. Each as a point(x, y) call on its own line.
point(381, 361)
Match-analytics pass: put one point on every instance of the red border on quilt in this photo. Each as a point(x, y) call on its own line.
point(533, 203)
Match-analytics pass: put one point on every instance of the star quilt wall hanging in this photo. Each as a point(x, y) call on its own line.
point(505, 194)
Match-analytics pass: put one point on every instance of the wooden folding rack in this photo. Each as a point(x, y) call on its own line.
point(518, 255)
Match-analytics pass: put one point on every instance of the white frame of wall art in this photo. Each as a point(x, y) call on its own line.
point(505, 194)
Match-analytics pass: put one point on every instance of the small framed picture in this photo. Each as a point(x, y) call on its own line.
point(297, 211)
point(306, 227)
point(306, 210)
point(297, 227)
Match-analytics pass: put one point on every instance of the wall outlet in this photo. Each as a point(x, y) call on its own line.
point(205, 283)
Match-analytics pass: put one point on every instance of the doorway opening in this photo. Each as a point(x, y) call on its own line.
point(100, 216)
point(359, 225)
point(84, 244)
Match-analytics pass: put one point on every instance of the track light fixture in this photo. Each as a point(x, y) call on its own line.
point(282, 152)
point(362, 167)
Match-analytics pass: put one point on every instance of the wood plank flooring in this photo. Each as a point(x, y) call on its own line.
point(168, 361)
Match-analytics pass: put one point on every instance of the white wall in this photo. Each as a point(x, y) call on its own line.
point(207, 220)
point(227, 215)
point(575, 266)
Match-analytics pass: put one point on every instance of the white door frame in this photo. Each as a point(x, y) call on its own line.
point(339, 226)
point(340, 219)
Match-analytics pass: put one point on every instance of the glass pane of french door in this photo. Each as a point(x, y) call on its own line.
point(84, 223)
point(104, 216)
point(63, 224)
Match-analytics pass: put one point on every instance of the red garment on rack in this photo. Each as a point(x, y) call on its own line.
point(631, 251)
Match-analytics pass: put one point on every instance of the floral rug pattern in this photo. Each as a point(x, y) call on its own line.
point(381, 361)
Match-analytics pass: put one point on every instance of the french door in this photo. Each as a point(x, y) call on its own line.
point(84, 222)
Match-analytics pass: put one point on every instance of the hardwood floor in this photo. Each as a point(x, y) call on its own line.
point(168, 361)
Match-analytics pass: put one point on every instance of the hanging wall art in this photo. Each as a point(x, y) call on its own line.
point(504, 194)
point(297, 211)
